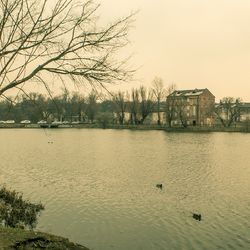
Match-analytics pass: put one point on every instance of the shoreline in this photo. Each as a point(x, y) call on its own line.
point(190, 129)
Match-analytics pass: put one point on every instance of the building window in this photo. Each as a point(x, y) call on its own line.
point(194, 110)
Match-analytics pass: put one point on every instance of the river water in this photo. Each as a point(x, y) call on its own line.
point(98, 186)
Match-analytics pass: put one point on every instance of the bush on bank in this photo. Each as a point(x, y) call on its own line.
point(17, 212)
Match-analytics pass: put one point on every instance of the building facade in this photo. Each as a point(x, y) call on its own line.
point(190, 108)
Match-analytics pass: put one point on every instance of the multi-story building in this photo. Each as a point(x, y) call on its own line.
point(190, 108)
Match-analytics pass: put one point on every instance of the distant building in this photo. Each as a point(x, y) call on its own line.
point(244, 111)
point(190, 108)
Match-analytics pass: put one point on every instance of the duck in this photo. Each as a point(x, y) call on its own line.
point(159, 186)
point(197, 216)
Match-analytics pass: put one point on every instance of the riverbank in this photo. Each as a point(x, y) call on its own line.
point(239, 129)
point(191, 129)
point(12, 238)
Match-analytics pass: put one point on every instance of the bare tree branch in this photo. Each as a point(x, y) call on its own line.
point(38, 36)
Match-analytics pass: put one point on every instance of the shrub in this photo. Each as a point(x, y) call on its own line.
point(104, 119)
point(16, 212)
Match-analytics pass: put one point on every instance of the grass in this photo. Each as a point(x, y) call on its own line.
point(16, 238)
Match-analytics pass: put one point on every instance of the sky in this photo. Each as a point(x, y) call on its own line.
point(192, 43)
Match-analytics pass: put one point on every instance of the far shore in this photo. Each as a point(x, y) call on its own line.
point(193, 129)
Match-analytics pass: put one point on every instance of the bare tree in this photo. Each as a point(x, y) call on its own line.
point(41, 37)
point(146, 103)
point(171, 104)
point(33, 105)
point(78, 105)
point(228, 110)
point(160, 94)
point(92, 107)
point(134, 106)
point(120, 105)
point(62, 105)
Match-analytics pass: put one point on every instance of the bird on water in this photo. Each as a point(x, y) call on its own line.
point(197, 217)
point(159, 186)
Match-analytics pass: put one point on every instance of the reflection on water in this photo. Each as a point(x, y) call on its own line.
point(98, 186)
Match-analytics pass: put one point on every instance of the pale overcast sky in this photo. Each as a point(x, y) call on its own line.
point(194, 43)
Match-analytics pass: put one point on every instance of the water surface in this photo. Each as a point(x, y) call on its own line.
point(98, 186)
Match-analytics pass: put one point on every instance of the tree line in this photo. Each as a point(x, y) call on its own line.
point(122, 107)
point(72, 106)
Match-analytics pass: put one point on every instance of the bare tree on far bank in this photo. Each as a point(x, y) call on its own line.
point(146, 103)
point(159, 93)
point(134, 106)
point(120, 104)
point(171, 104)
point(92, 107)
point(74, 105)
point(40, 38)
point(228, 110)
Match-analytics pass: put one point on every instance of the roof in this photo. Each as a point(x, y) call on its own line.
point(190, 92)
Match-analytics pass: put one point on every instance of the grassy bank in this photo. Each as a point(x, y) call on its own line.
point(22, 239)
point(16, 214)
